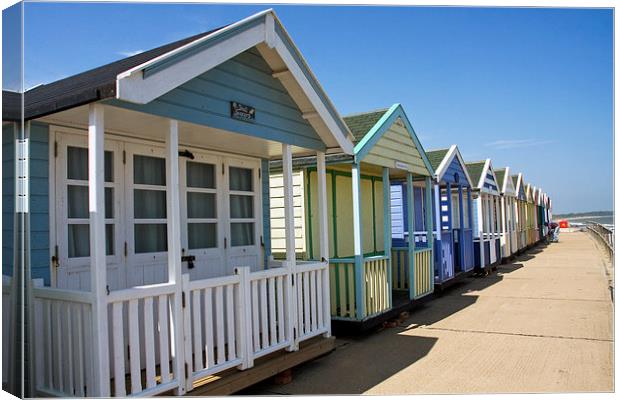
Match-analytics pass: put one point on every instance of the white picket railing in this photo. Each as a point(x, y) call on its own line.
point(142, 339)
point(7, 327)
point(227, 322)
point(62, 341)
point(313, 305)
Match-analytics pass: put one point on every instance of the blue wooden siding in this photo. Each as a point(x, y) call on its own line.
point(419, 210)
point(490, 182)
point(453, 170)
point(264, 166)
point(39, 202)
point(246, 78)
point(475, 217)
point(8, 197)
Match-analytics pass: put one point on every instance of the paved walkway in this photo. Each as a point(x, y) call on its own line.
point(541, 324)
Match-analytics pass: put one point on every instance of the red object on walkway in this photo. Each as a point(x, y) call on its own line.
point(564, 223)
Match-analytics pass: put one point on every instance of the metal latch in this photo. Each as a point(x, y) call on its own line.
point(190, 261)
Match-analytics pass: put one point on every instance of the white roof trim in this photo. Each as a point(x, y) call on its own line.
point(133, 86)
point(447, 159)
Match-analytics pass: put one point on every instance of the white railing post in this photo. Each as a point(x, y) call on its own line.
point(289, 234)
point(187, 333)
point(411, 235)
point(358, 250)
point(244, 316)
point(482, 225)
point(98, 279)
point(324, 238)
point(174, 253)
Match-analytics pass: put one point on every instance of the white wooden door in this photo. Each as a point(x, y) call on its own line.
point(146, 229)
point(203, 231)
point(243, 207)
point(72, 233)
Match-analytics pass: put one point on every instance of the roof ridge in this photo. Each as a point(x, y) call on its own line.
point(366, 112)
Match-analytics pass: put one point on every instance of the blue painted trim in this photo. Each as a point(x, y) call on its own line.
point(363, 147)
point(461, 229)
point(429, 225)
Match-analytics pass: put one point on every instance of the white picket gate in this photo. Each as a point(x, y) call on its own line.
point(226, 322)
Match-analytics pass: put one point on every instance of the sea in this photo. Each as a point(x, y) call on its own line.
point(603, 220)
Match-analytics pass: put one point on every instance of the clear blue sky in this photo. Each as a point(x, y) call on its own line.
point(529, 88)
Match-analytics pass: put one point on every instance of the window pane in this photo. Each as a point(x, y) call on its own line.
point(150, 238)
point(200, 175)
point(149, 170)
point(109, 239)
point(242, 234)
point(240, 179)
point(202, 236)
point(108, 166)
point(241, 206)
point(109, 202)
point(149, 204)
point(79, 244)
point(201, 205)
point(77, 201)
point(77, 164)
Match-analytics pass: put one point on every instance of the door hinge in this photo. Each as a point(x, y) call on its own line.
point(222, 168)
point(125, 249)
point(55, 259)
point(124, 157)
point(225, 242)
point(182, 299)
point(55, 149)
point(262, 242)
point(128, 352)
point(259, 172)
point(186, 369)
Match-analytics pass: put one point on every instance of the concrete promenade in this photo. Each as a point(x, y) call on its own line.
point(543, 323)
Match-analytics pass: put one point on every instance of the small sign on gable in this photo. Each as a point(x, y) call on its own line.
point(242, 112)
point(401, 165)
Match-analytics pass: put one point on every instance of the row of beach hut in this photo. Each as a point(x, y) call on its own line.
point(188, 210)
point(405, 222)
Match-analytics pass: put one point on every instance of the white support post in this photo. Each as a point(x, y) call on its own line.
point(244, 310)
point(173, 211)
point(505, 238)
point(358, 252)
point(411, 236)
point(387, 229)
point(482, 225)
point(438, 213)
point(324, 237)
point(98, 278)
point(289, 237)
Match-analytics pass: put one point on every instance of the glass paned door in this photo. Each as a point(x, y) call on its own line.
point(244, 213)
point(146, 228)
point(72, 231)
point(201, 207)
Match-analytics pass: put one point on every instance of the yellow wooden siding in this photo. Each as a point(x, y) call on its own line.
point(377, 296)
point(344, 215)
point(367, 227)
point(314, 211)
point(396, 144)
point(276, 194)
point(379, 214)
point(424, 277)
